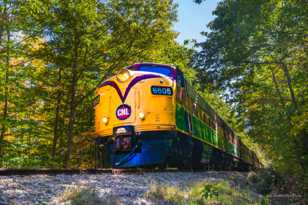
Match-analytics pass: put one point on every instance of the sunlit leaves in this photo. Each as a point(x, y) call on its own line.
point(256, 53)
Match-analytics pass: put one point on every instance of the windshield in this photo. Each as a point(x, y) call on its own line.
point(161, 69)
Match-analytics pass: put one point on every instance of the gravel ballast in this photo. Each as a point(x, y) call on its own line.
point(129, 188)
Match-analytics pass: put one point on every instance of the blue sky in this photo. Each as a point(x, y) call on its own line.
point(193, 18)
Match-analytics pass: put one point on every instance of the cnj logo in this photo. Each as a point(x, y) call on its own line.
point(123, 112)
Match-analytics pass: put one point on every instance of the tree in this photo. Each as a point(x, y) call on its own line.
point(82, 43)
point(256, 52)
point(8, 48)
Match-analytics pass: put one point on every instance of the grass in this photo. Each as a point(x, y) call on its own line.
point(81, 196)
point(204, 193)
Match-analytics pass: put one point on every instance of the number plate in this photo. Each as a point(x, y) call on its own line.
point(161, 90)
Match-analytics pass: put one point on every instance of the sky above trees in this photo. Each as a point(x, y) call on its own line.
point(193, 18)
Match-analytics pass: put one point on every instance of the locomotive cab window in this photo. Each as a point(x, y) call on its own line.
point(180, 78)
point(160, 69)
point(180, 83)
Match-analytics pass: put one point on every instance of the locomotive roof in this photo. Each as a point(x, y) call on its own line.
point(137, 65)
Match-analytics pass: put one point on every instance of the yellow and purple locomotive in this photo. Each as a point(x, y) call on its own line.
point(148, 115)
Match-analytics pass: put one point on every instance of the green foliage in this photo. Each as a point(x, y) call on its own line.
point(255, 57)
point(210, 191)
point(170, 194)
point(204, 193)
point(81, 196)
point(264, 181)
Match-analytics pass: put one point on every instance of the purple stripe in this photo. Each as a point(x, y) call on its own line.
point(136, 80)
point(115, 86)
point(130, 85)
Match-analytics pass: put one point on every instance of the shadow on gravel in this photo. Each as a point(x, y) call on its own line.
point(4, 199)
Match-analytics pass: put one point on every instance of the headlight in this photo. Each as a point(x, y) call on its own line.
point(141, 115)
point(105, 120)
point(123, 75)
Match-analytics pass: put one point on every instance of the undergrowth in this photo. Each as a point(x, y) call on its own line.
point(204, 193)
point(85, 196)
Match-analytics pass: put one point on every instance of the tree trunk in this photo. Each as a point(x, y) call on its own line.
point(282, 101)
point(297, 143)
point(274, 79)
point(72, 104)
point(6, 89)
point(1, 34)
point(57, 118)
point(288, 77)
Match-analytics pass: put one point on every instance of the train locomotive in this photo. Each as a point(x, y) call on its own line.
point(148, 115)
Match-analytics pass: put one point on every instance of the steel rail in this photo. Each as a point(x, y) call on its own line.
point(25, 172)
point(9, 172)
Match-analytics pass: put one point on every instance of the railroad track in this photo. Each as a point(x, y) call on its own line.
point(8, 172)
point(142, 170)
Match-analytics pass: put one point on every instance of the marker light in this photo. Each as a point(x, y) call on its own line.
point(105, 120)
point(141, 115)
point(123, 75)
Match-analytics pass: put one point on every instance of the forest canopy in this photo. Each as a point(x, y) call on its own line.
point(255, 56)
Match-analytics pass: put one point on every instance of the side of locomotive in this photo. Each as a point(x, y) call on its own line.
point(149, 115)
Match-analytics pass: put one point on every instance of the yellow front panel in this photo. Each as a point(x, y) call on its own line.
point(158, 110)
